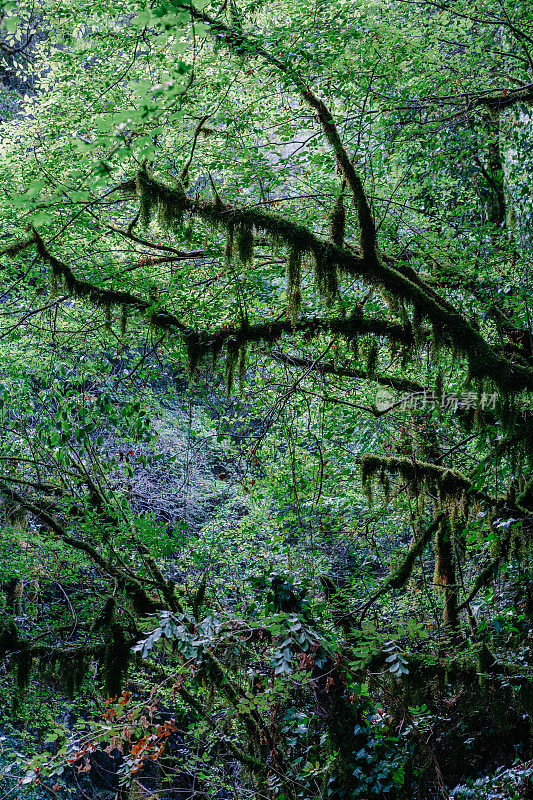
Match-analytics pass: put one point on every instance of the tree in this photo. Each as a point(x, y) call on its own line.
point(311, 198)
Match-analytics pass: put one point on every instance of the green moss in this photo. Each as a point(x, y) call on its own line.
point(245, 244)
point(399, 280)
point(419, 475)
point(123, 320)
point(232, 355)
point(326, 276)
point(294, 279)
point(229, 247)
point(116, 662)
point(372, 359)
point(444, 573)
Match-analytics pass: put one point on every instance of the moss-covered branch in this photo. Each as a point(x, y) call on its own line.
point(196, 705)
point(142, 602)
point(483, 579)
point(449, 325)
point(242, 43)
point(401, 575)
point(483, 361)
point(357, 324)
point(419, 475)
point(105, 298)
point(400, 384)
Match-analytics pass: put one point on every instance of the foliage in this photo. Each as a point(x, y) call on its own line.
point(266, 401)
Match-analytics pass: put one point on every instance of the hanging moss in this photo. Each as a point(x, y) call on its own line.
point(400, 280)
point(393, 304)
point(270, 331)
point(228, 249)
point(438, 338)
point(169, 204)
point(171, 208)
point(116, 662)
point(326, 277)
point(294, 280)
point(372, 360)
point(241, 369)
point(123, 320)
point(444, 574)
point(74, 671)
point(419, 475)
point(148, 198)
point(106, 615)
point(245, 244)
point(23, 661)
point(337, 223)
point(232, 355)
point(216, 348)
point(195, 351)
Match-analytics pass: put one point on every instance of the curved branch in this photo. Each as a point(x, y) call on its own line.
point(400, 384)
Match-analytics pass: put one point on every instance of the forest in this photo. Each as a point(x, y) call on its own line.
point(266, 399)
